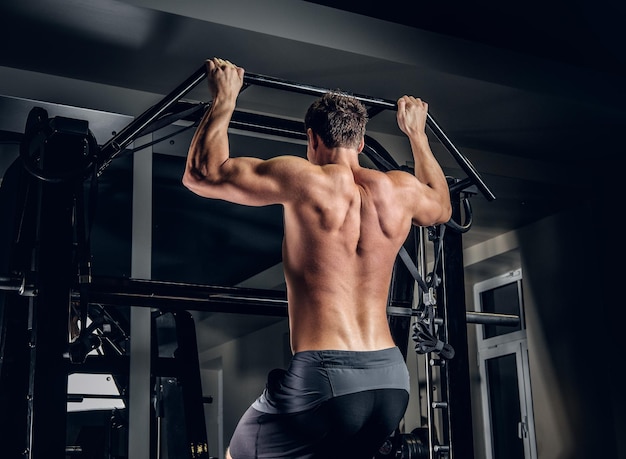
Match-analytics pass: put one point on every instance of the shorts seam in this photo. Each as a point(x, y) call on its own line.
point(325, 365)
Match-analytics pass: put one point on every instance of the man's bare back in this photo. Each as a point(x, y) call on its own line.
point(338, 254)
point(343, 227)
point(344, 224)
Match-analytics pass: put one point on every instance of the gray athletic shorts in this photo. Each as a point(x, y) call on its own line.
point(323, 403)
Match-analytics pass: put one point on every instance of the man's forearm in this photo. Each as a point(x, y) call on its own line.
point(209, 147)
point(427, 169)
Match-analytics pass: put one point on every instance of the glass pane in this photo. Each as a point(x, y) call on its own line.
point(504, 407)
point(500, 300)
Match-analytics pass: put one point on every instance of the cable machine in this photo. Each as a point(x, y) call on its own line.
point(49, 286)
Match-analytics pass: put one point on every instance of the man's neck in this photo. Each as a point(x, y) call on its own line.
point(340, 155)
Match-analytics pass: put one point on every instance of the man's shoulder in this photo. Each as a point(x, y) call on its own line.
point(401, 178)
point(287, 164)
point(384, 178)
point(290, 159)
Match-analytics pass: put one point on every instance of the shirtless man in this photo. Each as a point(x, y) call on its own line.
point(347, 386)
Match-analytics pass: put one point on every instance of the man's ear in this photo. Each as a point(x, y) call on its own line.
point(312, 139)
point(361, 145)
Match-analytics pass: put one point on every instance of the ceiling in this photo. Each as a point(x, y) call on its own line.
point(532, 95)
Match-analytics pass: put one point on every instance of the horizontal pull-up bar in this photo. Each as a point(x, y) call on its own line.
point(116, 145)
point(277, 83)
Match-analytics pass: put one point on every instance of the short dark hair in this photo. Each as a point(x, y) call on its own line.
point(339, 119)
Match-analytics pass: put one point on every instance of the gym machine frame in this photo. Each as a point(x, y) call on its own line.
point(56, 286)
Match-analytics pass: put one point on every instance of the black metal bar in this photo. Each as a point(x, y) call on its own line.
point(461, 185)
point(265, 124)
point(80, 397)
point(379, 156)
point(277, 83)
point(17, 234)
point(10, 283)
point(122, 139)
point(465, 164)
point(485, 318)
point(190, 383)
point(481, 318)
point(53, 261)
point(173, 296)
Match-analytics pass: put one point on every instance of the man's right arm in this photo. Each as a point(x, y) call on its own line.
point(210, 170)
point(432, 203)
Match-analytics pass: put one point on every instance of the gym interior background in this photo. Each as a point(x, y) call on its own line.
point(531, 93)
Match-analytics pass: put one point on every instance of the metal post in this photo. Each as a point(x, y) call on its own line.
point(428, 370)
point(18, 212)
point(188, 373)
point(49, 309)
point(140, 412)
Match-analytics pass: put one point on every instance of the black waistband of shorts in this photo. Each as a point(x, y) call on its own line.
point(348, 359)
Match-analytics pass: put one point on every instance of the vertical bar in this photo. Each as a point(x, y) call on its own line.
point(19, 209)
point(428, 369)
point(452, 298)
point(139, 435)
point(220, 411)
point(188, 371)
point(47, 398)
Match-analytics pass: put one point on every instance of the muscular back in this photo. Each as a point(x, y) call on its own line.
point(343, 224)
point(341, 239)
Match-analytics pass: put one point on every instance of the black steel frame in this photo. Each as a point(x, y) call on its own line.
point(56, 287)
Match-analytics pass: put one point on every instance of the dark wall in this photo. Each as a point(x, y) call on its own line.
point(565, 266)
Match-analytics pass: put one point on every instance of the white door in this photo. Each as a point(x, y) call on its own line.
point(504, 370)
